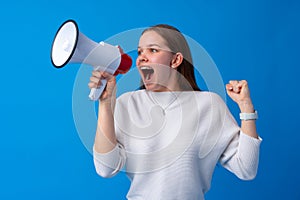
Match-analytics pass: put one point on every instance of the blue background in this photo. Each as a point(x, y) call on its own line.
point(42, 156)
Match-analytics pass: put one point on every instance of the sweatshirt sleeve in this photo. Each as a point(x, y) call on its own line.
point(242, 156)
point(110, 163)
point(240, 153)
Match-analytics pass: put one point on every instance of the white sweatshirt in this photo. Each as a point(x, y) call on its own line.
point(170, 142)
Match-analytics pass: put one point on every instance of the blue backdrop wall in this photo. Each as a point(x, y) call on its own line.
point(42, 155)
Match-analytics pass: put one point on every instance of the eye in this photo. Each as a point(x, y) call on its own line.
point(153, 50)
point(139, 52)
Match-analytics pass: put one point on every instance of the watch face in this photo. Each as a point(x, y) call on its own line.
point(249, 116)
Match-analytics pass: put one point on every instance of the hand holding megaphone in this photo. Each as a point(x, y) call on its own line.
point(71, 46)
point(99, 78)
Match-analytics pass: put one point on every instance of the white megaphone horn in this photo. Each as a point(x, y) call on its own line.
point(71, 46)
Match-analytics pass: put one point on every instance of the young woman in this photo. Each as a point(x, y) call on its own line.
point(169, 136)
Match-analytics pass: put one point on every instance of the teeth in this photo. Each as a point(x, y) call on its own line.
point(145, 68)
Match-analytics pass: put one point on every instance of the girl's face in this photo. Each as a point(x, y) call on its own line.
point(154, 62)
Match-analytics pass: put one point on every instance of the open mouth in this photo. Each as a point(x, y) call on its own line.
point(147, 72)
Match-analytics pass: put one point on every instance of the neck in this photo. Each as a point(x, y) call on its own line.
point(171, 86)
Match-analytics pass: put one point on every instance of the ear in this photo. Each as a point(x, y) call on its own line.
point(177, 60)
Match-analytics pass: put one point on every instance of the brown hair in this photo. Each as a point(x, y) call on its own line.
point(177, 43)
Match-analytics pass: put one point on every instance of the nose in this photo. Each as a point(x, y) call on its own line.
point(142, 58)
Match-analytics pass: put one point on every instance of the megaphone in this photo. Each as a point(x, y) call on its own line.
point(71, 46)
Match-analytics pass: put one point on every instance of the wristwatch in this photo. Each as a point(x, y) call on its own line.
point(249, 116)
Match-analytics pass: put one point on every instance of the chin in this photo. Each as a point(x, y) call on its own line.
point(150, 87)
point(154, 87)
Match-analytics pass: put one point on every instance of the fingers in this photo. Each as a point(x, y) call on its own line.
point(97, 76)
point(120, 49)
point(236, 86)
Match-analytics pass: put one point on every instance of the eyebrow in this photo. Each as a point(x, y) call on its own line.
point(151, 45)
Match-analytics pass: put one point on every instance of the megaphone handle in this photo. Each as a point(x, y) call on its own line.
point(96, 92)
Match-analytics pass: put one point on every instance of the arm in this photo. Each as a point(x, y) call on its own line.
point(238, 91)
point(108, 158)
point(242, 153)
point(105, 139)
